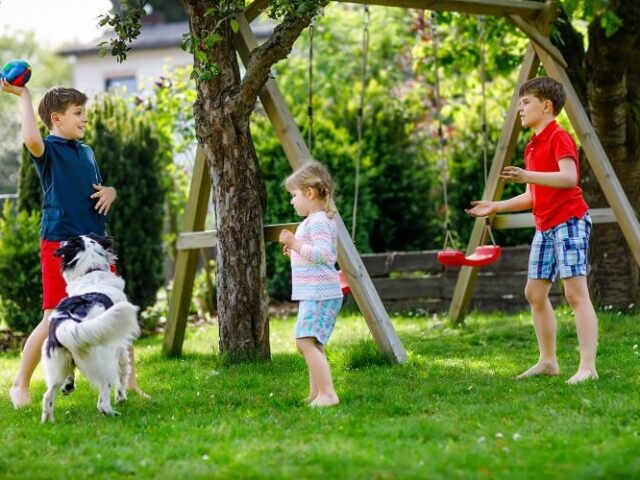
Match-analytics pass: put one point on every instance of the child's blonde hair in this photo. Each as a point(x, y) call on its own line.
point(313, 174)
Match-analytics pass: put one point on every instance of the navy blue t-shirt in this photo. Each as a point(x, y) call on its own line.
point(67, 170)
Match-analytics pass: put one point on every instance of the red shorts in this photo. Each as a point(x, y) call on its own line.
point(54, 288)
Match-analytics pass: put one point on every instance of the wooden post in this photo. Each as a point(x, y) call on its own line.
point(185, 270)
point(296, 150)
point(465, 284)
point(598, 160)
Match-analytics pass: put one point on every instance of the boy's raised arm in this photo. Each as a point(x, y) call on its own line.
point(30, 133)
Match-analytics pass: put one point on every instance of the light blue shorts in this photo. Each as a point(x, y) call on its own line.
point(316, 318)
point(563, 248)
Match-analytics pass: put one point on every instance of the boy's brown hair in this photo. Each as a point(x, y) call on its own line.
point(57, 100)
point(545, 88)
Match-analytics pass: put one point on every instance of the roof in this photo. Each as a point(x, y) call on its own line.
point(157, 36)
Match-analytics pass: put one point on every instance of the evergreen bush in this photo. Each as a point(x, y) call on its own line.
point(21, 285)
point(132, 156)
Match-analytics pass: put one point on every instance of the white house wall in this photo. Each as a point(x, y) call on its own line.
point(91, 72)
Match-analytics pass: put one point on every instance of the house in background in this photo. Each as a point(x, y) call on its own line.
point(155, 52)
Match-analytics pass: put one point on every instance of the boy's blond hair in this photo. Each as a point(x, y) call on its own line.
point(545, 88)
point(57, 100)
point(313, 174)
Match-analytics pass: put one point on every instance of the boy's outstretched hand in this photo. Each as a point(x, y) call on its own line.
point(514, 174)
point(105, 196)
point(481, 208)
point(7, 87)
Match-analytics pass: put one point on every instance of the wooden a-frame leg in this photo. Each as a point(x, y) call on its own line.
point(186, 261)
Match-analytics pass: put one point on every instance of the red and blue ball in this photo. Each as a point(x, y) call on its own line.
point(16, 72)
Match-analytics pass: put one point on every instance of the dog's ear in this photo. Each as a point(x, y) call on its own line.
point(68, 250)
point(105, 242)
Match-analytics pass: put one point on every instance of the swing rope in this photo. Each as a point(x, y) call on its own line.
point(360, 116)
point(485, 134)
point(484, 254)
point(310, 90)
point(444, 165)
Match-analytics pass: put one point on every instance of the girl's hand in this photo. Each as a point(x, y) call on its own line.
point(288, 241)
point(105, 196)
point(481, 208)
point(7, 87)
point(286, 238)
point(514, 174)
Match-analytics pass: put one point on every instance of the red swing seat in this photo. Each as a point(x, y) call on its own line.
point(344, 286)
point(481, 256)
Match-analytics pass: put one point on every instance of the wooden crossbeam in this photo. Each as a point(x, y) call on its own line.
point(255, 9)
point(209, 238)
point(525, 220)
point(538, 38)
point(523, 8)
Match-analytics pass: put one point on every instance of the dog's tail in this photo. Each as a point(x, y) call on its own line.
point(117, 325)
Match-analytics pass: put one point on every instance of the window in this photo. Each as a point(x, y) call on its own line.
point(127, 83)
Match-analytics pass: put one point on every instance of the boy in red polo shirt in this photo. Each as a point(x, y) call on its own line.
point(563, 225)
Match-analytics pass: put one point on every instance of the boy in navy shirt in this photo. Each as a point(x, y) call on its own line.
point(75, 203)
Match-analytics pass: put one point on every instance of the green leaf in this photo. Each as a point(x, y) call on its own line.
point(235, 26)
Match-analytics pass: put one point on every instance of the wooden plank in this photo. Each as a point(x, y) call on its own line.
point(523, 8)
point(500, 285)
point(296, 150)
point(598, 160)
point(255, 9)
point(538, 38)
point(525, 220)
point(185, 269)
point(208, 239)
point(513, 259)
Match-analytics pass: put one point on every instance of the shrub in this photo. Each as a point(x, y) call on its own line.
point(21, 285)
point(132, 156)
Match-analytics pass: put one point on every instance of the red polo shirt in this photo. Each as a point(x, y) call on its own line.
point(553, 206)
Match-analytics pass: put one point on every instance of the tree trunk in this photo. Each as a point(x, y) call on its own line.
point(238, 195)
point(606, 80)
point(608, 64)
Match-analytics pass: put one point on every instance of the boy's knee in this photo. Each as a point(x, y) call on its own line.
point(535, 295)
point(573, 297)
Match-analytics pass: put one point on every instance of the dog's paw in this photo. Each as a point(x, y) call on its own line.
point(108, 412)
point(46, 417)
point(68, 386)
point(121, 396)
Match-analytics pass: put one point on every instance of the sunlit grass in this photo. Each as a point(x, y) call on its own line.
point(452, 411)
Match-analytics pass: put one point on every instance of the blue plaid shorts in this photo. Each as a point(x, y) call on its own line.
point(563, 248)
point(316, 318)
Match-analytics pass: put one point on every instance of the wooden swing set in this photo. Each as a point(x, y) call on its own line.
point(534, 19)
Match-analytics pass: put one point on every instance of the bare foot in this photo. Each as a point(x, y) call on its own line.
point(325, 401)
point(540, 369)
point(20, 396)
point(310, 398)
point(136, 388)
point(582, 376)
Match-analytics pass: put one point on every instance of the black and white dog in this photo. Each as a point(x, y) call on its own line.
point(92, 328)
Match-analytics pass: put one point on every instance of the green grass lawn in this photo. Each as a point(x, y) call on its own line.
point(453, 411)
